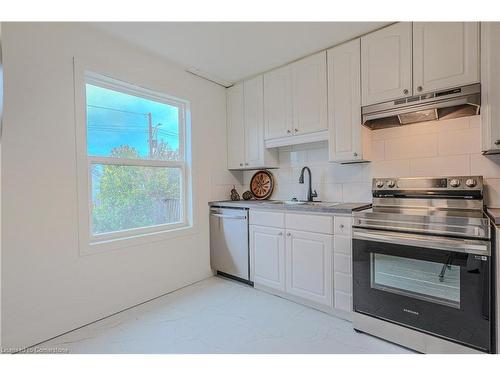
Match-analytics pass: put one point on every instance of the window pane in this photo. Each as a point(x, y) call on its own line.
point(127, 197)
point(123, 125)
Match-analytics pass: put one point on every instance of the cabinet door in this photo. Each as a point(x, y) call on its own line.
point(344, 102)
point(309, 88)
point(342, 274)
point(267, 252)
point(445, 55)
point(386, 71)
point(309, 266)
point(278, 103)
point(254, 122)
point(490, 87)
point(235, 127)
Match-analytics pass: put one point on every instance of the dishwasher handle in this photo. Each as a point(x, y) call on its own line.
point(239, 217)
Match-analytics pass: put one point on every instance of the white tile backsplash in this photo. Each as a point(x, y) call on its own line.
point(411, 146)
point(459, 142)
point(455, 165)
point(378, 150)
point(221, 184)
point(492, 192)
point(447, 147)
point(391, 168)
point(486, 166)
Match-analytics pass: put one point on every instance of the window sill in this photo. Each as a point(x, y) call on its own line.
point(98, 247)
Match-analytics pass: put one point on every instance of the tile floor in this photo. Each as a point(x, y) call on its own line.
point(220, 316)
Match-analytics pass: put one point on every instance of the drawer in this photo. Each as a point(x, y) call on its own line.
point(342, 245)
point(310, 223)
point(342, 282)
point(267, 218)
point(342, 263)
point(343, 225)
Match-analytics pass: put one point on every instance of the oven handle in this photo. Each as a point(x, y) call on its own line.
point(461, 245)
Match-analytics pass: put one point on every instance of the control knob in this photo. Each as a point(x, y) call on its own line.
point(454, 182)
point(391, 183)
point(471, 182)
point(380, 183)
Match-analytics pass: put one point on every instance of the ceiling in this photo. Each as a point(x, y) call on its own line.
point(227, 52)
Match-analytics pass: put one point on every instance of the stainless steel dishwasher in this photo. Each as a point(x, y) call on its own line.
point(229, 250)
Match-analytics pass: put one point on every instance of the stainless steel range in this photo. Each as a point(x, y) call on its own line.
point(422, 265)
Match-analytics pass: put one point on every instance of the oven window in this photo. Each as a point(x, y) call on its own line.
point(429, 281)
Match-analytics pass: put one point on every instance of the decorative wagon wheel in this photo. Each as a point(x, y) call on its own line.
point(262, 184)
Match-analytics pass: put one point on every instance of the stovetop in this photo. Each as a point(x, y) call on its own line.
point(422, 211)
point(449, 222)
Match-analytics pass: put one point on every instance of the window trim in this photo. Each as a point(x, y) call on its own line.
point(90, 243)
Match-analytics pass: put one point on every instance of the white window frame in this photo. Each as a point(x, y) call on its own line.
point(96, 243)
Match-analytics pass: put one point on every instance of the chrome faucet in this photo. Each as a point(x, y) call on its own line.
point(310, 194)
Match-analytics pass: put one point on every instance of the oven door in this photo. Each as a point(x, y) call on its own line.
point(438, 285)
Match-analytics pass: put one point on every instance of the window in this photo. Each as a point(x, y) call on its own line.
point(136, 160)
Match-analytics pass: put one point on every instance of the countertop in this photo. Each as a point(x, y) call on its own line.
point(341, 208)
point(494, 214)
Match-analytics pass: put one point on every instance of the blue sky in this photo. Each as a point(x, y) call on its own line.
point(115, 119)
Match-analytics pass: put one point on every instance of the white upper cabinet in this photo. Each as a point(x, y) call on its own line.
point(386, 64)
point(408, 59)
point(254, 122)
point(490, 87)
point(295, 102)
point(245, 127)
point(344, 102)
point(309, 88)
point(235, 127)
point(445, 55)
point(278, 103)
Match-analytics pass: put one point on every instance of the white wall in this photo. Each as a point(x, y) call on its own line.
point(47, 288)
point(439, 148)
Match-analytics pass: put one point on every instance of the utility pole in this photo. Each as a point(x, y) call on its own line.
point(150, 135)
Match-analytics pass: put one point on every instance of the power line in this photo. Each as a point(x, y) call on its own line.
point(116, 110)
point(128, 128)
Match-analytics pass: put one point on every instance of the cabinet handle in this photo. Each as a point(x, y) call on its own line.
point(419, 88)
point(280, 233)
point(405, 91)
point(241, 164)
point(246, 163)
point(355, 154)
point(288, 234)
point(341, 226)
point(497, 142)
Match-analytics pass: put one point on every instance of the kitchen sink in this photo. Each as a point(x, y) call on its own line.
point(305, 203)
point(294, 202)
point(321, 204)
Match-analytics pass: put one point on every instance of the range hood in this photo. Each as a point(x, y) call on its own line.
point(439, 105)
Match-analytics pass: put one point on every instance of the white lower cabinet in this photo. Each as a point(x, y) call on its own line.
point(309, 266)
point(306, 258)
point(267, 256)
